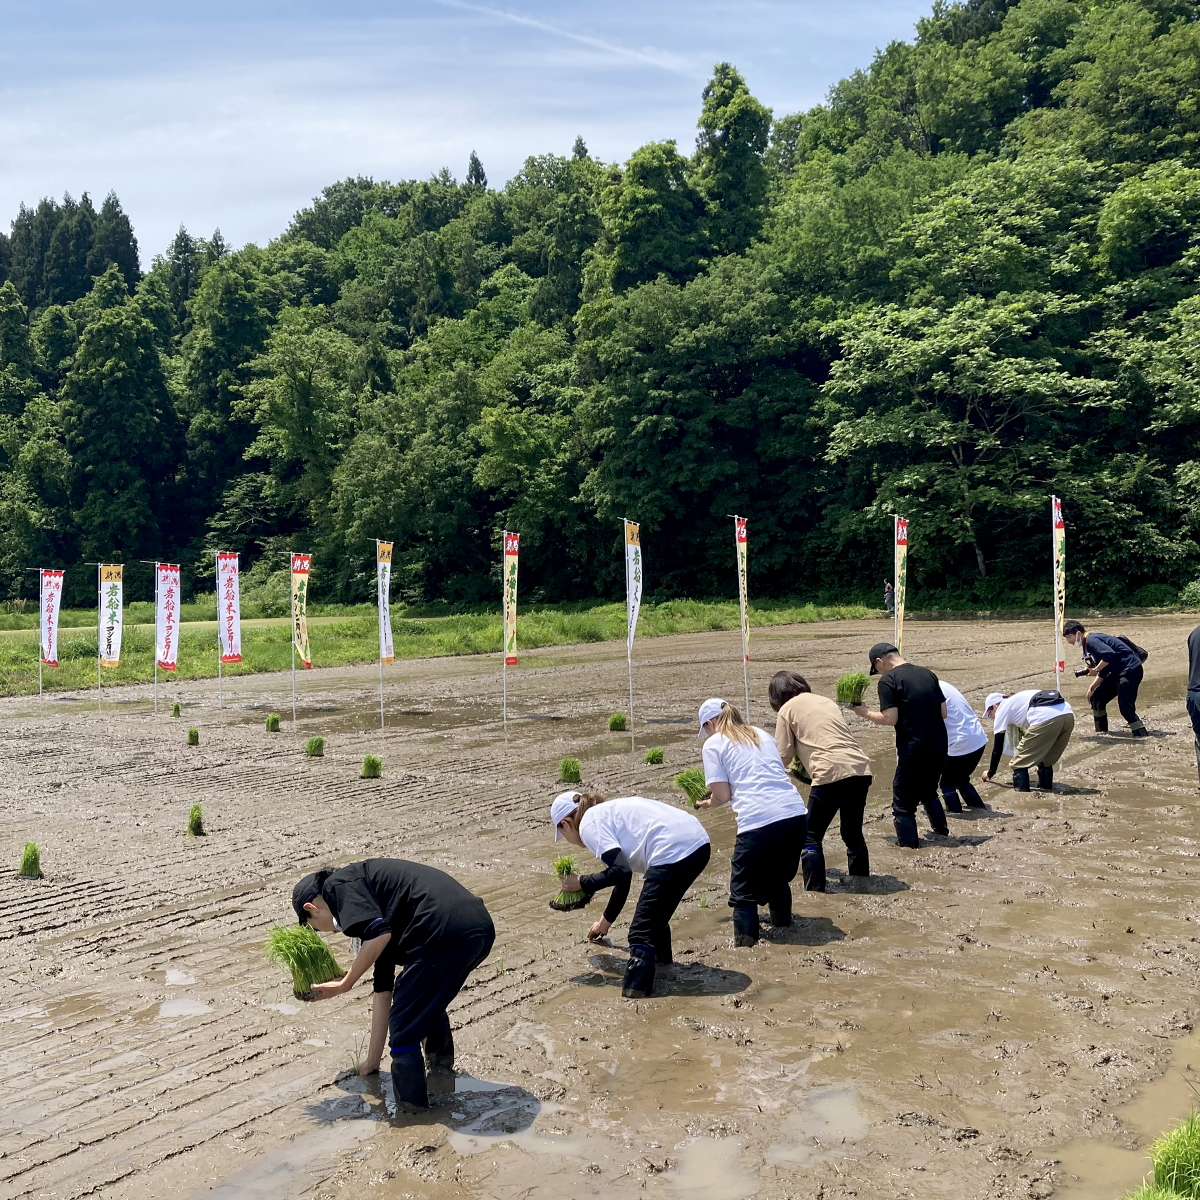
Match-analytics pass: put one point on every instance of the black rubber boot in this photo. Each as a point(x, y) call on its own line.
point(971, 796)
point(439, 1047)
point(951, 801)
point(812, 862)
point(1045, 778)
point(745, 925)
point(1100, 718)
point(780, 908)
point(639, 973)
point(408, 1081)
point(1020, 779)
point(1138, 729)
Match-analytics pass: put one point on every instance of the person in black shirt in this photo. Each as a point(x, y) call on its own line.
point(1193, 688)
point(411, 916)
point(1118, 671)
point(910, 700)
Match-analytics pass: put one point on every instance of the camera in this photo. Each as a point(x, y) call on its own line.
point(1089, 661)
point(1082, 671)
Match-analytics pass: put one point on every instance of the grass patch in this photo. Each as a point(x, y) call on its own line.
point(691, 781)
point(315, 747)
point(31, 862)
point(193, 737)
point(654, 756)
point(851, 686)
point(372, 767)
point(195, 822)
point(1176, 1158)
point(616, 723)
point(272, 723)
point(570, 770)
point(177, 709)
point(300, 950)
point(565, 901)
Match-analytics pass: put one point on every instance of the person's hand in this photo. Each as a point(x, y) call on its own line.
point(368, 1066)
point(598, 930)
point(324, 991)
point(1092, 688)
point(858, 709)
point(569, 883)
point(706, 801)
point(986, 777)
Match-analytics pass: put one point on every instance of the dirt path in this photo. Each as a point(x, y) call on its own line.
point(972, 1025)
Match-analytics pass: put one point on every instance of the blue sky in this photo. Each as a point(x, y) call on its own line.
point(236, 114)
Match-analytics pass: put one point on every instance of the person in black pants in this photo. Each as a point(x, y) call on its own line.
point(1118, 671)
point(1193, 689)
point(408, 915)
point(910, 701)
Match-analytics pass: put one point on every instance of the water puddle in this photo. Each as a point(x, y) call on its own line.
point(288, 1010)
point(172, 1010)
point(710, 1169)
point(179, 978)
point(824, 1120)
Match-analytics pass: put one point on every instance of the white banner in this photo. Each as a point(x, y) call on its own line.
point(112, 613)
point(383, 588)
point(49, 606)
point(1058, 543)
point(633, 580)
point(166, 615)
point(229, 607)
point(741, 545)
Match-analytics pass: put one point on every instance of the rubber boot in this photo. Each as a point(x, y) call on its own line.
point(971, 796)
point(780, 908)
point(439, 1047)
point(745, 925)
point(1020, 779)
point(408, 1080)
point(1100, 718)
point(1138, 729)
point(639, 973)
point(812, 863)
point(1045, 778)
point(951, 801)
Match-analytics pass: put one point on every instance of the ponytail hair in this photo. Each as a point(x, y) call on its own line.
point(734, 726)
point(587, 800)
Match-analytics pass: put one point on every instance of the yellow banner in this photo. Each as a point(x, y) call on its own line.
point(300, 568)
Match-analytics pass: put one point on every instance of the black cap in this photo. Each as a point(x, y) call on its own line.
point(880, 650)
point(305, 892)
point(1073, 627)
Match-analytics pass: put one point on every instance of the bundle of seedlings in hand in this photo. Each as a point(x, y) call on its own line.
point(850, 687)
point(570, 770)
point(372, 767)
point(654, 756)
point(193, 737)
point(195, 826)
point(299, 949)
point(616, 723)
point(177, 709)
point(315, 747)
point(565, 901)
point(692, 782)
point(273, 723)
point(798, 769)
point(31, 862)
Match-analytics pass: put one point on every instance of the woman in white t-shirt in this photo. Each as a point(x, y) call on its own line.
point(665, 845)
point(967, 741)
point(742, 768)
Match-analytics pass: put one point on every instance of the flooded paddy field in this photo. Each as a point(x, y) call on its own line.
point(1005, 1013)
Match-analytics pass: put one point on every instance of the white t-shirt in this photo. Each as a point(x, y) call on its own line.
point(760, 790)
point(649, 832)
point(963, 730)
point(1016, 711)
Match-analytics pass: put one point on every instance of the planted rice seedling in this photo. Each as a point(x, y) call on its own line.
point(1176, 1159)
point(616, 723)
point(300, 949)
point(565, 901)
point(193, 737)
point(177, 709)
point(273, 723)
point(691, 781)
point(315, 747)
point(31, 862)
point(372, 767)
point(851, 686)
point(195, 822)
point(570, 770)
point(654, 756)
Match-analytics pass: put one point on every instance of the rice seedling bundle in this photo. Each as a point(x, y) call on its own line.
point(372, 767)
point(565, 901)
point(193, 737)
point(300, 950)
point(850, 687)
point(654, 756)
point(1176, 1158)
point(177, 709)
point(616, 723)
point(195, 824)
point(273, 723)
point(691, 781)
point(31, 862)
point(315, 747)
point(570, 770)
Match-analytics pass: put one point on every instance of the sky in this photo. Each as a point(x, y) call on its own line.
point(234, 115)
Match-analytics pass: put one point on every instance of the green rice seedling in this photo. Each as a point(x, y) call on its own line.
point(195, 825)
point(799, 770)
point(1176, 1158)
point(691, 781)
point(273, 723)
point(299, 949)
point(193, 737)
point(315, 747)
point(616, 723)
point(654, 756)
point(372, 767)
point(31, 862)
point(703, 901)
point(850, 687)
point(565, 901)
point(177, 709)
point(1150, 1191)
point(570, 770)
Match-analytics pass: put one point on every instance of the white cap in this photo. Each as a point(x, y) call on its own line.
point(993, 699)
point(708, 710)
point(565, 803)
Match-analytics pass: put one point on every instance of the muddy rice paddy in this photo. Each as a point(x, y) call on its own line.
point(1004, 1013)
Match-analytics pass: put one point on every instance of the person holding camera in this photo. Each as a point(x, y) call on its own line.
point(1116, 664)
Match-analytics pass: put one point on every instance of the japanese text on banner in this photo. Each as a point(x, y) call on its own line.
point(901, 577)
point(740, 540)
point(229, 607)
point(300, 568)
point(633, 580)
point(166, 616)
point(383, 584)
point(111, 614)
point(512, 545)
point(49, 606)
point(1059, 533)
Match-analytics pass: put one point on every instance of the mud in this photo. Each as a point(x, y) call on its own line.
point(1007, 1012)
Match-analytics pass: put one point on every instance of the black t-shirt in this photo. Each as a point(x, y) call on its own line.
point(1194, 660)
point(915, 691)
point(419, 906)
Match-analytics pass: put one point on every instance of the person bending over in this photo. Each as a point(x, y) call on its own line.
point(667, 847)
point(1041, 724)
point(742, 768)
point(411, 916)
point(1117, 667)
point(967, 742)
point(812, 729)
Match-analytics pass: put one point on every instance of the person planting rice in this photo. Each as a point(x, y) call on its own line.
point(742, 768)
point(967, 742)
point(411, 916)
point(1041, 723)
point(910, 701)
point(665, 845)
point(1116, 663)
point(812, 729)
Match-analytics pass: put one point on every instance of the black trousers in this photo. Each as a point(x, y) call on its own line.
point(956, 778)
point(916, 782)
point(1193, 707)
point(765, 861)
point(662, 889)
point(848, 799)
point(1124, 687)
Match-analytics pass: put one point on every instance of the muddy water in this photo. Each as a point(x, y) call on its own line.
point(1003, 1013)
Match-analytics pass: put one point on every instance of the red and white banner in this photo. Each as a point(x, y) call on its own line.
point(49, 606)
point(383, 592)
point(229, 607)
point(1058, 541)
point(301, 565)
point(741, 546)
point(512, 547)
point(166, 615)
point(901, 582)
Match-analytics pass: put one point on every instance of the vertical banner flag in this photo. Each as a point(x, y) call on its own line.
point(901, 584)
point(111, 613)
point(166, 615)
point(383, 584)
point(633, 579)
point(512, 546)
point(50, 604)
point(1058, 533)
point(300, 568)
point(229, 607)
point(739, 541)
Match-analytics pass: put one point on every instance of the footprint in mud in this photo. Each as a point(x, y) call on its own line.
point(676, 979)
point(866, 885)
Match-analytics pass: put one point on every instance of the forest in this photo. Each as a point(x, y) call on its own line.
point(968, 280)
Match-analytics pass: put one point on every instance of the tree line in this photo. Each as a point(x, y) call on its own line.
point(965, 281)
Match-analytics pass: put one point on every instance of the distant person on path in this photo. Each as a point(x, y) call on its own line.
point(407, 915)
point(666, 846)
point(813, 730)
point(1117, 666)
point(910, 701)
point(1043, 723)
point(742, 768)
point(1193, 692)
point(889, 596)
point(967, 742)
